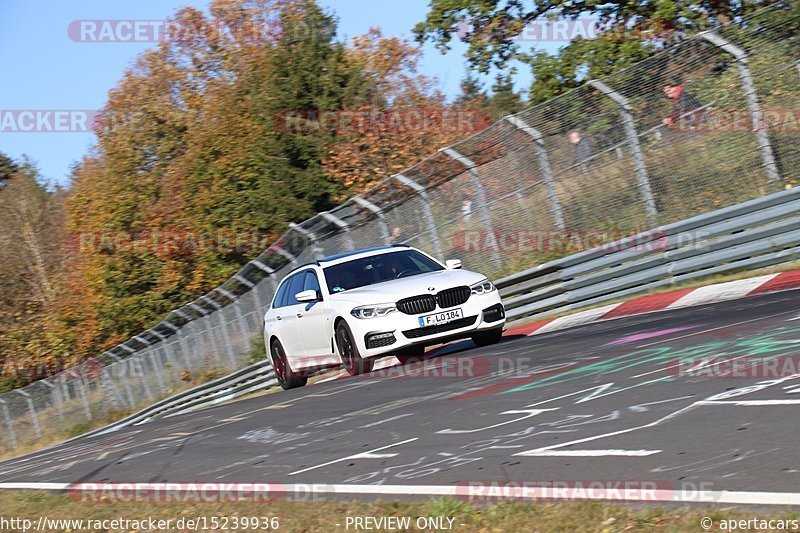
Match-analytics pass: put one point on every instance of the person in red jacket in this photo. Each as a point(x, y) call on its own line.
point(683, 103)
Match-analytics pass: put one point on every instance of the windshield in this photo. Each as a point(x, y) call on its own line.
point(377, 269)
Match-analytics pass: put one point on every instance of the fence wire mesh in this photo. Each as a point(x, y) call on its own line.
point(587, 167)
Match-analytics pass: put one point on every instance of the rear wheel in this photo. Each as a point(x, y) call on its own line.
point(353, 362)
point(287, 379)
point(411, 354)
point(486, 338)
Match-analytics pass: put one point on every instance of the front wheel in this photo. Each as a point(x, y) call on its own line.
point(489, 337)
point(352, 360)
point(287, 378)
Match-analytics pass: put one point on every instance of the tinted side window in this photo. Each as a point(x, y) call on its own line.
point(311, 282)
point(295, 286)
point(279, 296)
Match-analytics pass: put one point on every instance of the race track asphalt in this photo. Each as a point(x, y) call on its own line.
point(614, 400)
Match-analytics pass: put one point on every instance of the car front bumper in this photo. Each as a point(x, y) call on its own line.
point(390, 334)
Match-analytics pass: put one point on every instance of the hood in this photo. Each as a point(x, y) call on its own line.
point(391, 291)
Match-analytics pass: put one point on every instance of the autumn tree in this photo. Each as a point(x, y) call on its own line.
point(31, 267)
point(404, 117)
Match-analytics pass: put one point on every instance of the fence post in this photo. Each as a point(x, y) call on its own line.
point(239, 316)
point(341, 224)
point(378, 212)
point(636, 151)
point(483, 209)
point(117, 366)
point(316, 250)
point(254, 289)
point(544, 164)
point(223, 329)
point(54, 392)
point(427, 214)
point(82, 392)
point(9, 425)
point(36, 428)
point(272, 281)
point(753, 106)
point(107, 382)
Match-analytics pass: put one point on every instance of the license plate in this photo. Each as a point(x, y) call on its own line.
point(441, 318)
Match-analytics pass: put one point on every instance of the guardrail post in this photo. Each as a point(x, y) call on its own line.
point(378, 212)
point(544, 164)
point(341, 224)
point(753, 106)
point(427, 214)
point(36, 428)
point(636, 151)
point(483, 209)
point(9, 426)
point(316, 250)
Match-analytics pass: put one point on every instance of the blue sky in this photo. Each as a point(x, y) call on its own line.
point(46, 70)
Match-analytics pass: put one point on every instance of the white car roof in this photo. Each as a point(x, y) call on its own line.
point(358, 254)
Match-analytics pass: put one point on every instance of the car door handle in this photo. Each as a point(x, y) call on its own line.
point(299, 315)
point(278, 317)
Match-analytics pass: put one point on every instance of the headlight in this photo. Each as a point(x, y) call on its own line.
point(482, 287)
point(373, 311)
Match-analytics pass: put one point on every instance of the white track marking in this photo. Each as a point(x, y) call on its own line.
point(379, 422)
point(361, 455)
point(723, 497)
point(528, 413)
point(612, 433)
point(589, 453)
point(642, 407)
point(751, 403)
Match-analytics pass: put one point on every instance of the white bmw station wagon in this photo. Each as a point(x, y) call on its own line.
point(353, 307)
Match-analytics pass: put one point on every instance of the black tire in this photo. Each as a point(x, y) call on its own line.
point(411, 354)
point(487, 338)
point(348, 351)
point(287, 379)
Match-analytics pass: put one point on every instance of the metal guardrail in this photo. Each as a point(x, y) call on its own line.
point(249, 379)
point(753, 234)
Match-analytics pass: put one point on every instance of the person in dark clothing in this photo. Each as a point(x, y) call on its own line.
point(681, 118)
point(583, 150)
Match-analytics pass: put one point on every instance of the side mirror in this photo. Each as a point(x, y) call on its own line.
point(306, 296)
point(453, 264)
